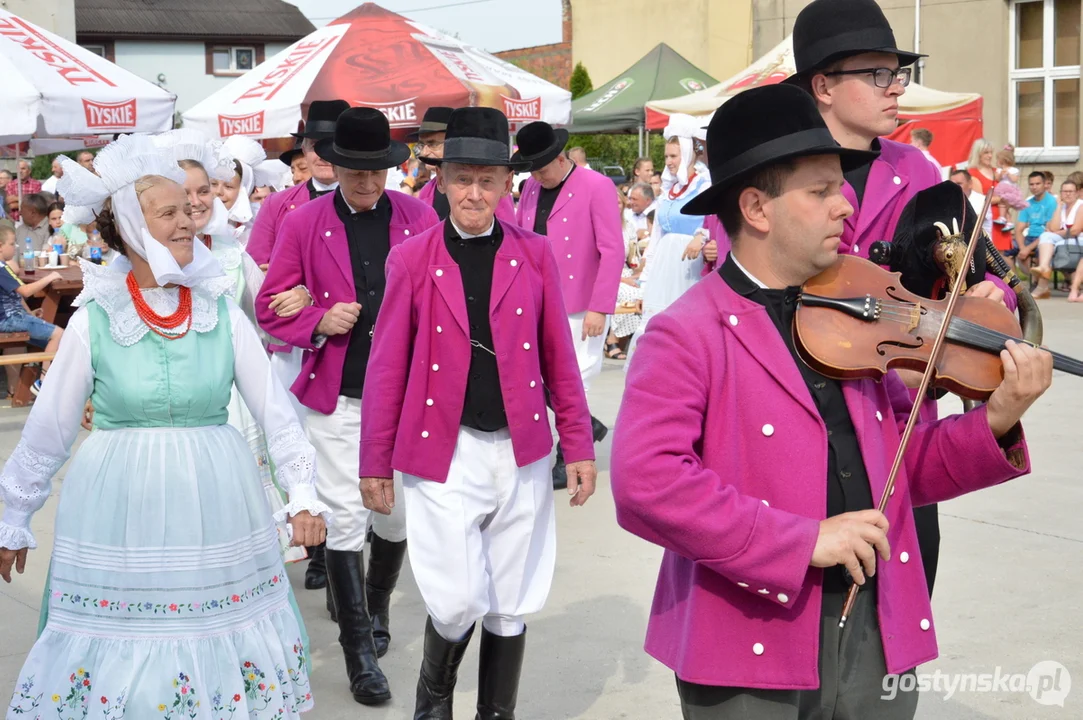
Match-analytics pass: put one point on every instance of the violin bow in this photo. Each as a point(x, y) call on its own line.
point(926, 379)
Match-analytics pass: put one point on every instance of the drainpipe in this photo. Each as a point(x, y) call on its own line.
point(920, 65)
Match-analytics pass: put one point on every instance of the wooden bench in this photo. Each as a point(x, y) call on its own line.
point(21, 395)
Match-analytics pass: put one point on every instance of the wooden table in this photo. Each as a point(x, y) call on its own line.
point(69, 285)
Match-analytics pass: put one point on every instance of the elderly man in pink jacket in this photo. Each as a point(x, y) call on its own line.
point(472, 333)
point(760, 476)
point(573, 206)
point(335, 247)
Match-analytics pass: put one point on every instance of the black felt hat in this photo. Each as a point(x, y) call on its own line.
point(362, 141)
point(435, 121)
point(478, 136)
point(830, 30)
point(288, 156)
point(539, 144)
point(760, 127)
point(322, 115)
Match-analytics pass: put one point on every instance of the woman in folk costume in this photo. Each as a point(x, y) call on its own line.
point(168, 592)
point(669, 266)
point(236, 192)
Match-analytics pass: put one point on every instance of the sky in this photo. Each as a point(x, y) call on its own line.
point(491, 25)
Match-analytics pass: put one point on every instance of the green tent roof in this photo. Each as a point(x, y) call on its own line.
point(618, 106)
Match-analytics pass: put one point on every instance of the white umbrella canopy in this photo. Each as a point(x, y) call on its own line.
point(54, 88)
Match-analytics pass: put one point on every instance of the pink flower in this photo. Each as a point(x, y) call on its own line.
point(262, 686)
point(308, 696)
point(104, 603)
point(237, 698)
point(184, 690)
point(197, 605)
point(124, 606)
point(274, 580)
point(56, 594)
point(236, 598)
point(104, 700)
point(86, 683)
point(173, 607)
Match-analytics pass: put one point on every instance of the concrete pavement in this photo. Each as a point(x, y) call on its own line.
point(1007, 594)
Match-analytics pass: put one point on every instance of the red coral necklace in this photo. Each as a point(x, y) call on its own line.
point(153, 320)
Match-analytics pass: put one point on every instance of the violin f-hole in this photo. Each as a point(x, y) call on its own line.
point(898, 343)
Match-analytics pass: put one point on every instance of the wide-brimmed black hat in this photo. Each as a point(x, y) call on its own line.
point(760, 127)
point(362, 141)
point(830, 30)
point(435, 121)
point(288, 156)
point(322, 115)
point(539, 144)
point(478, 136)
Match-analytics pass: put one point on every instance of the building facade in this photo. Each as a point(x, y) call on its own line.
point(56, 16)
point(191, 48)
point(1022, 56)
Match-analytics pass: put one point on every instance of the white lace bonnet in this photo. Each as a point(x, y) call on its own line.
point(683, 128)
point(254, 173)
point(191, 144)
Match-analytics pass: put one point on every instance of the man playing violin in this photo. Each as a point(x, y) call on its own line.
point(761, 476)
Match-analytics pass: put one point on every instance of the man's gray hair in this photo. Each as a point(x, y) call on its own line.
point(644, 188)
point(38, 201)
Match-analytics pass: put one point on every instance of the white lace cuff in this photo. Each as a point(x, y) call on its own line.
point(303, 498)
point(294, 458)
point(14, 537)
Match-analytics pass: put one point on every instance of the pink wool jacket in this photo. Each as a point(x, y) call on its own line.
point(505, 211)
point(416, 382)
point(732, 484)
point(312, 250)
point(585, 231)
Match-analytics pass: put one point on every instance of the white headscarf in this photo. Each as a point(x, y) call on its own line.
point(118, 166)
point(254, 173)
point(683, 128)
point(191, 144)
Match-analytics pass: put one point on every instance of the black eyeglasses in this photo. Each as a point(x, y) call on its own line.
point(881, 77)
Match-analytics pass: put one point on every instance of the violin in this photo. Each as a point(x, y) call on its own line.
point(856, 320)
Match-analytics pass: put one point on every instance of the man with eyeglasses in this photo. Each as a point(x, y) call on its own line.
point(430, 144)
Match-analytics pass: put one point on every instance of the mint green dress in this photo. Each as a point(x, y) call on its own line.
point(167, 592)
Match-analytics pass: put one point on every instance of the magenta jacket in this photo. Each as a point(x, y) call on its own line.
point(586, 233)
point(505, 211)
point(269, 219)
point(312, 250)
point(720, 457)
point(717, 233)
point(416, 382)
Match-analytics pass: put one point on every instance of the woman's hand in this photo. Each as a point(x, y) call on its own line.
point(308, 530)
point(9, 558)
point(710, 251)
point(691, 251)
point(289, 303)
point(88, 416)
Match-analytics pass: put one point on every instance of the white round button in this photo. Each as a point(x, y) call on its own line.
point(328, 233)
point(741, 584)
point(765, 503)
point(783, 598)
point(896, 180)
point(405, 232)
point(768, 430)
point(855, 249)
point(514, 263)
point(518, 311)
point(424, 433)
point(764, 591)
point(439, 273)
point(439, 329)
point(537, 417)
point(435, 367)
point(904, 557)
point(758, 648)
point(571, 277)
point(565, 219)
point(312, 376)
point(292, 207)
point(326, 295)
point(526, 346)
point(567, 238)
point(733, 320)
point(569, 256)
point(924, 624)
point(569, 194)
point(879, 417)
point(532, 383)
point(429, 402)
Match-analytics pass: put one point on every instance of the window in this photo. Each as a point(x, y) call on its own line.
point(96, 49)
point(1044, 109)
point(102, 48)
point(233, 59)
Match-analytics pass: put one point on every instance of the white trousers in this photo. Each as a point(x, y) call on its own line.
point(337, 439)
point(482, 545)
point(589, 352)
point(286, 367)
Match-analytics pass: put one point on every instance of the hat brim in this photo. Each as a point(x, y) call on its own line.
point(539, 160)
point(706, 203)
point(416, 134)
point(513, 164)
point(287, 157)
point(906, 59)
point(397, 153)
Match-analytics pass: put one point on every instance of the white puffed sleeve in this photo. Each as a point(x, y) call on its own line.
point(48, 435)
point(292, 453)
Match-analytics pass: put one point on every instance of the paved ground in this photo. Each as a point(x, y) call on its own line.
point(1007, 596)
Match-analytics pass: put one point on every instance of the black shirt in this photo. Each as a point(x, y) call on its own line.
point(440, 204)
point(848, 487)
point(369, 237)
point(484, 406)
point(546, 200)
point(859, 176)
point(313, 193)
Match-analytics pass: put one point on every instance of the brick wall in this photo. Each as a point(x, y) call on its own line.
point(549, 62)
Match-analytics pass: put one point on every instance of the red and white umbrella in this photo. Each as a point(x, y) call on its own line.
point(376, 58)
point(54, 88)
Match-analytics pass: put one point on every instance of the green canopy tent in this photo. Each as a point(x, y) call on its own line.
point(618, 105)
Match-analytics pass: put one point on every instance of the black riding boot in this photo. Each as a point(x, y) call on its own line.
point(560, 473)
point(598, 428)
point(346, 578)
point(439, 672)
point(498, 675)
point(316, 574)
point(385, 562)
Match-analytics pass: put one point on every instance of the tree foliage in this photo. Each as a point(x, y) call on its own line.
point(580, 84)
point(622, 150)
